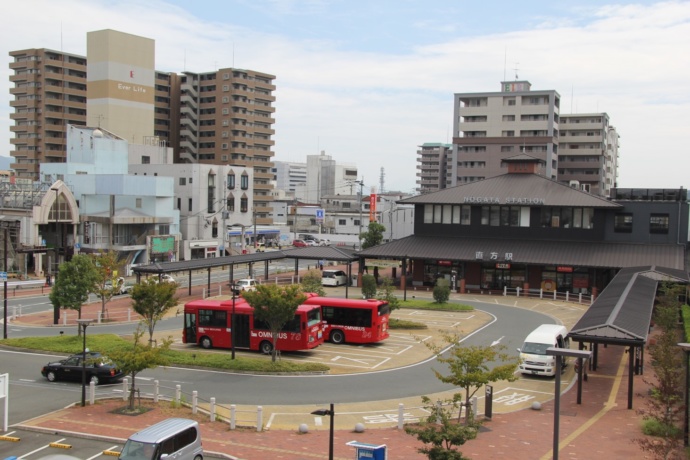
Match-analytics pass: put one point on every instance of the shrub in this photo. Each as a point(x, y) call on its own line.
point(442, 290)
point(368, 286)
point(311, 282)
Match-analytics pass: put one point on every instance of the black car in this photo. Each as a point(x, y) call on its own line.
point(99, 369)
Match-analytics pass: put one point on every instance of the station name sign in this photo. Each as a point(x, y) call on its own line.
point(507, 200)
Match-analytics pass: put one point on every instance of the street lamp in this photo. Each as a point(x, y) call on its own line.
point(559, 353)
point(331, 413)
point(686, 353)
point(83, 323)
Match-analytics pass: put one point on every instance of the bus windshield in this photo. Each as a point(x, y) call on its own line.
point(314, 317)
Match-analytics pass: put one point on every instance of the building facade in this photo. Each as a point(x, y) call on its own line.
point(219, 117)
point(49, 93)
point(488, 127)
point(588, 153)
point(433, 161)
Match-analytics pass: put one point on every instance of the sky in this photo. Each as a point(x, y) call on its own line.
point(368, 82)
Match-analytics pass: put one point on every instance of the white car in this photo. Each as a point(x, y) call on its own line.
point(333, 278)
point(247, 284)
point(167, 279)
point(310, 243)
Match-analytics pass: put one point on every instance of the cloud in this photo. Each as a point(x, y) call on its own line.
point(373, 107)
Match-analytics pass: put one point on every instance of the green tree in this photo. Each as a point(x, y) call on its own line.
point(387, 292)
point(368, 286)
point(665, 406)
point(473, 367)
point(275, 305)
point(132, 360)
point(441, 431)
point(152, 300)
point(442, 291)
point(373, 236)
point(311, 282)
point(107, 267)
point(76, 280)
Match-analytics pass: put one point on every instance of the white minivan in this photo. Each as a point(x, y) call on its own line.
point(533, 357)
point(176, 438)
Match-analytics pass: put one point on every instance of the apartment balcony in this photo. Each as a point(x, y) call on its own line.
point(188, 135)
point(584, 163)
point(189, 101)
point(24, 128)
point(190, 89)
point(189, 146)
point(584, 125)
point(579, 176)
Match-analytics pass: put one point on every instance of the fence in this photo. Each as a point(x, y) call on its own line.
point(235, 418)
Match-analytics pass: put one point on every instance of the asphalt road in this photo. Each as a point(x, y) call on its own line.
point(31, 395)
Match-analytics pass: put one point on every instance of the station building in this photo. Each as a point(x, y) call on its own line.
point(524, 230)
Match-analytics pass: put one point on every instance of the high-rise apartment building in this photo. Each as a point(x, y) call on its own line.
point(289, 176)
point(220, 117)
point(588, 153)
point(226, 117)
point(488, 127)
point(580, 150)
point(49, 93)
point(433, 160)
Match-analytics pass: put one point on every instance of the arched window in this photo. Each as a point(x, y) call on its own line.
point(245, 181)
point(231, 180)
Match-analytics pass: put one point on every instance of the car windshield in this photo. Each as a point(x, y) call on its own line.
point(535, 348)
point(136, 450)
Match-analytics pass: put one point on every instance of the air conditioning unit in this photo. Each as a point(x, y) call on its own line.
point(585, 188)
point(574, 184)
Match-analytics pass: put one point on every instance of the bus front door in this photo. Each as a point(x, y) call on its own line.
point(242, 331)
point(190, 327)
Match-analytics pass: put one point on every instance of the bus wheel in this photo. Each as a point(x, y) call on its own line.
point(337, 337)
point(266, 347)
point(206, 343)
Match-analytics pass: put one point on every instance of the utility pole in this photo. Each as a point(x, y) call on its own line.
point(359, 199)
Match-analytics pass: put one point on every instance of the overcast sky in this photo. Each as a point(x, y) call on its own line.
point(369, 81)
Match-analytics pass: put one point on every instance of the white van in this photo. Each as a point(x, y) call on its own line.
point(533, 357)
point(177, 438)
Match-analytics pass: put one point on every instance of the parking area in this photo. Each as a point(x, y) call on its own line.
point(30, 445)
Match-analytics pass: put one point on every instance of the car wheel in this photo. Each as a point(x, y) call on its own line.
point(51, 376)
point(206, 343)
point(95, 380)
point(337, 337)
point(266, 347)
point(198, 457)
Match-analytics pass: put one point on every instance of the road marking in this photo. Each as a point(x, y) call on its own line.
point(496, 342)
point(38, 450)
point(360, 361)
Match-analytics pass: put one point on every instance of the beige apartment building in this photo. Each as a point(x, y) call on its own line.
point(433, 161)
point(49, 93)
point(220, 117)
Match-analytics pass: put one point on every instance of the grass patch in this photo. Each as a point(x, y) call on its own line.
point(107, 343)
point(424, 304)
point(395, 323)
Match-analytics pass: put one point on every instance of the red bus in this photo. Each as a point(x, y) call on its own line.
point(208, 323)
point(353, 320)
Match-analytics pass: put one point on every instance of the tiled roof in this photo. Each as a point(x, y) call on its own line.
point(530, 187)
point(570, 253)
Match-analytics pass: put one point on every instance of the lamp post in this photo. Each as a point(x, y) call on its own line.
point(686, 424)
point(331, 413)
point(559, 353)
point(83, 323)
point(56, 309)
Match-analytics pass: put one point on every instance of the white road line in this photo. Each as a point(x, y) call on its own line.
point(39, 449)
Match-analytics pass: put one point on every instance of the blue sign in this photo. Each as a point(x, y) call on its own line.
point(366, 451)
point(319, 214)
point(3, 276)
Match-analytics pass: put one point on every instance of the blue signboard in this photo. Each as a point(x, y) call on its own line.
point(366, 451)
point(319, 215)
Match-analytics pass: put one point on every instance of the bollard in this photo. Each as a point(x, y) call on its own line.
point(124, 389)
point(92, 393)
point(579, 298)
point(20, 311)
point(554, 295)
point(401, 409)
point(64, 318)
point(156, 390)
point(129, 314)
point(473, 401)
point(567, 295)
point(438, 407)
point(14, 313)
point(505, 291)
point(212, 409)
point(518, 291)
point(233, 409)
point(98, 319)
point(178, 393)
point(194, 401)
point(259, 418)
point(541, 293)
point(203, 293)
